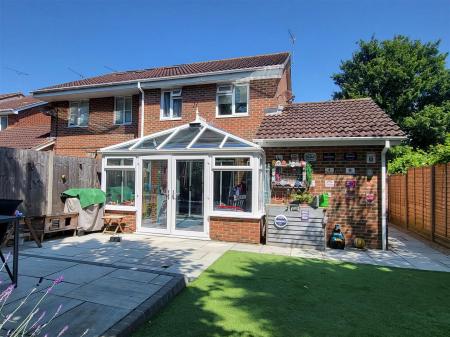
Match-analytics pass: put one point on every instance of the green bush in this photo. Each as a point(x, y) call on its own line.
point(403, 157)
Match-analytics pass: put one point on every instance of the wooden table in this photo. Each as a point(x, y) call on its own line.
point(113, 223)
point(4, 221)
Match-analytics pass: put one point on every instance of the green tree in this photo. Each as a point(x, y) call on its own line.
point(428, 126)
point(401, 75)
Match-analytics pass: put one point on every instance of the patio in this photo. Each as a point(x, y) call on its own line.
point(110, 287)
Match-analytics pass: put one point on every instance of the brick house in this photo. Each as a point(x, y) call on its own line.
point(191, 149)
point(23, 123)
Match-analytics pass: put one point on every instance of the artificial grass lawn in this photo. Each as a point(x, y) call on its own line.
point(246, 294)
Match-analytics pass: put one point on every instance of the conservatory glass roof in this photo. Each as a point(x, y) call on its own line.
point(195, 136)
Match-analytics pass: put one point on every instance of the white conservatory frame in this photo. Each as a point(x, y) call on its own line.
point(191, 145)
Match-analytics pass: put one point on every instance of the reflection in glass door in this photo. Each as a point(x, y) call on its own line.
point(154, 194)
point(189, 202)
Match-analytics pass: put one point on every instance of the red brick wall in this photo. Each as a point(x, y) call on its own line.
point(130, 219)
point(29, 117)
point(101, 131)
point(263, 94)
point(235, 230)
point(357, 219)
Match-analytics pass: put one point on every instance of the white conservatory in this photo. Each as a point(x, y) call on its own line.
point(175, 180)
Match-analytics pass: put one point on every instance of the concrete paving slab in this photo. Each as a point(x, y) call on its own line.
point(82, 273)
point(39, 267)
point(133, 275)
point(96, 318)
point(115, 292)
point(50, 305)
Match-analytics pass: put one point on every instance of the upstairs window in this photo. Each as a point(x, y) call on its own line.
point(171, 104)
point(3, 122)
point(232, 100)
point(79, 113)
point(122, 110)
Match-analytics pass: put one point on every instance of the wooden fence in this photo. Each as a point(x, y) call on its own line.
point(38, 178)
point(420, 202)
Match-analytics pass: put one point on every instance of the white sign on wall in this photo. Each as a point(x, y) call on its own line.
point(329, 183)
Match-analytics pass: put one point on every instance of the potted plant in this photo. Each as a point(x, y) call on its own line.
point(304, 198)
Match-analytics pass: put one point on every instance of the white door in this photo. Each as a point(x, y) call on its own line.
point(173, 195)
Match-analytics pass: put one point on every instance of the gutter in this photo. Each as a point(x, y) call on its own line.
point(384, 196)
point(275, 142)
point(142, 108)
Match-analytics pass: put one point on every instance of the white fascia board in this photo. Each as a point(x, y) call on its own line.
point(6, 112)
point(92, 92)
point(142, 152)
point(244, 76)
point(328, 141)
point(160, 82)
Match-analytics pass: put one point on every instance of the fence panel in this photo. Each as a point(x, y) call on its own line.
point(38, 178)
point(420, 202)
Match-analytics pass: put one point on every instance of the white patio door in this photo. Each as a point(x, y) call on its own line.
point(173, 195)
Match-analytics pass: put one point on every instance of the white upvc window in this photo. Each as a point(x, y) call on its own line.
point(3, 122)
point(79, 113)
point(234, 185)
point(119, 182)
point(122, 110)
point(232, 100)
point(171, 104)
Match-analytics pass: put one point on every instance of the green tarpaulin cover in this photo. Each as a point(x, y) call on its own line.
point(87, 196)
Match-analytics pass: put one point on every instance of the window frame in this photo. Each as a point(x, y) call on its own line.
point(7, 122)
point(172, 97)
point(253, 169)
point(70, 113)
point(124, 111)
point(132, 167)
point(233, 99)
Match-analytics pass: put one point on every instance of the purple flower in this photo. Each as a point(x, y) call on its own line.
point(58, 280)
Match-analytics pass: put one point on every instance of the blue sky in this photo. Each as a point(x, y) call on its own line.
point(44, 38)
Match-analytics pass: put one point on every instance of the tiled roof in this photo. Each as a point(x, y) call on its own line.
point(240, 63)
point(340, 118)
point(25, 137)
point(10, 95)
point(18, 103)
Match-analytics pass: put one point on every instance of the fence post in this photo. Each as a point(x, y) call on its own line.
point(50, 183)
point(406, 200)
point(433, 202)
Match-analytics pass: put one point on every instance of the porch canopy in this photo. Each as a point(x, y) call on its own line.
point(196, 137)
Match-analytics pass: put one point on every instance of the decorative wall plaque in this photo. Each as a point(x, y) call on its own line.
point(350, 170)
point(371, 158)
point(304, 214)
point(310, 156)
point(370, 198)
point(350, 156)
point(280, 221)
point(350, 184)
point(329, 183)
point(329, 156)
point(329, 170)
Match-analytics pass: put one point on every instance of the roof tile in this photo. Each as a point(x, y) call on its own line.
point(24, 137)
point(340, 118)
point(179, 70)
